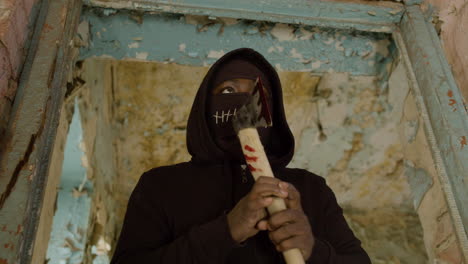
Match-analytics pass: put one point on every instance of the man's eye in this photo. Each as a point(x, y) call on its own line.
point(228, 89)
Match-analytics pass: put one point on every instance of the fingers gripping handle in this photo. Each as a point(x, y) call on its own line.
point(292, 256)
point(258, 164)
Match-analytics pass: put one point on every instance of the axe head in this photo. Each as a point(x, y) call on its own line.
point(255, 112)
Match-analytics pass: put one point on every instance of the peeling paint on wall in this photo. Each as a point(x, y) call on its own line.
point(374, 16)
point(419, 181)
point(361, 155)
point(200, 40)
point(96, 108)
point(439, 233)
point(426, 189)
point(69, 234)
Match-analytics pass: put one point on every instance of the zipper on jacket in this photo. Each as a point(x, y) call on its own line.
point(244, 176)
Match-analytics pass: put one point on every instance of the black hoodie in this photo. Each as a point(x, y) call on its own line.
point(177, 214)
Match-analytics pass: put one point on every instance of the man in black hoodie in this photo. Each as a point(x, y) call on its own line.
point(210, 210)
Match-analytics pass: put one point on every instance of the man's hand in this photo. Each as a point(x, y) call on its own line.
point(245, 218)
point(291, 228)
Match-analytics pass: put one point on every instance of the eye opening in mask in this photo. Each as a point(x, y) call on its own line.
point(238, 85)
point(228, 90)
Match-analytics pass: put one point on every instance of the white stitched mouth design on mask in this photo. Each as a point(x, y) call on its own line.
point(223, 117)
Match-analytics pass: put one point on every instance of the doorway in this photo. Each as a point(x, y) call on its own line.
point(344, 96)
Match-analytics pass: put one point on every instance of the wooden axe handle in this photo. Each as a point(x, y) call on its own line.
point(258, 164)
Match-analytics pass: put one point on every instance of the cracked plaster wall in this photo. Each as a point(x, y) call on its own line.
point(358, 149)
point(346, 130)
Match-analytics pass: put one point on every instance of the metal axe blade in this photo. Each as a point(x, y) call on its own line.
point(255, 112)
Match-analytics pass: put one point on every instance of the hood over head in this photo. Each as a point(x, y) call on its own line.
point(240, 63)
point(238, 68)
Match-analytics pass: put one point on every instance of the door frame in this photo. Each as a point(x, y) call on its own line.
point(32, 130)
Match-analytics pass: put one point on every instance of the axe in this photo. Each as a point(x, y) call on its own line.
point(256, 113)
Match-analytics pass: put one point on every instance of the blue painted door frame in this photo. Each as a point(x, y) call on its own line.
point(440, 101)
point(364, 16)
point(443, 110)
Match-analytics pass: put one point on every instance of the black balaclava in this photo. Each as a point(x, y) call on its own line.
point(223, 107)
point(200, 140)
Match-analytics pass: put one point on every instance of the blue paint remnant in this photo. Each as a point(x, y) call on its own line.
point(429, 12)
point(108, 11)
point(411, 130)
point(192, 54)
point(446, 121)
point(71, 219)
point(101, 259)
point(384, 64)
point(420, 182)
point(346, 124)
point(165, 37)
point(356, 16)
point(163, 129)
point(251, 30)
point(413, 2)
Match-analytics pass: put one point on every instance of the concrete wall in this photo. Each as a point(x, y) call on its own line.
point(15, 26)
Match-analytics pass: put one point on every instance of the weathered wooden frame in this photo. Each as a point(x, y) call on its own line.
point(26, 157)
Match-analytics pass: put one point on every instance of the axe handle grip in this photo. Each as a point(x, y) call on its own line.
point(259, 166)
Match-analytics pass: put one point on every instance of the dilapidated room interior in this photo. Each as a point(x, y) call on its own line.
point(353, 97)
